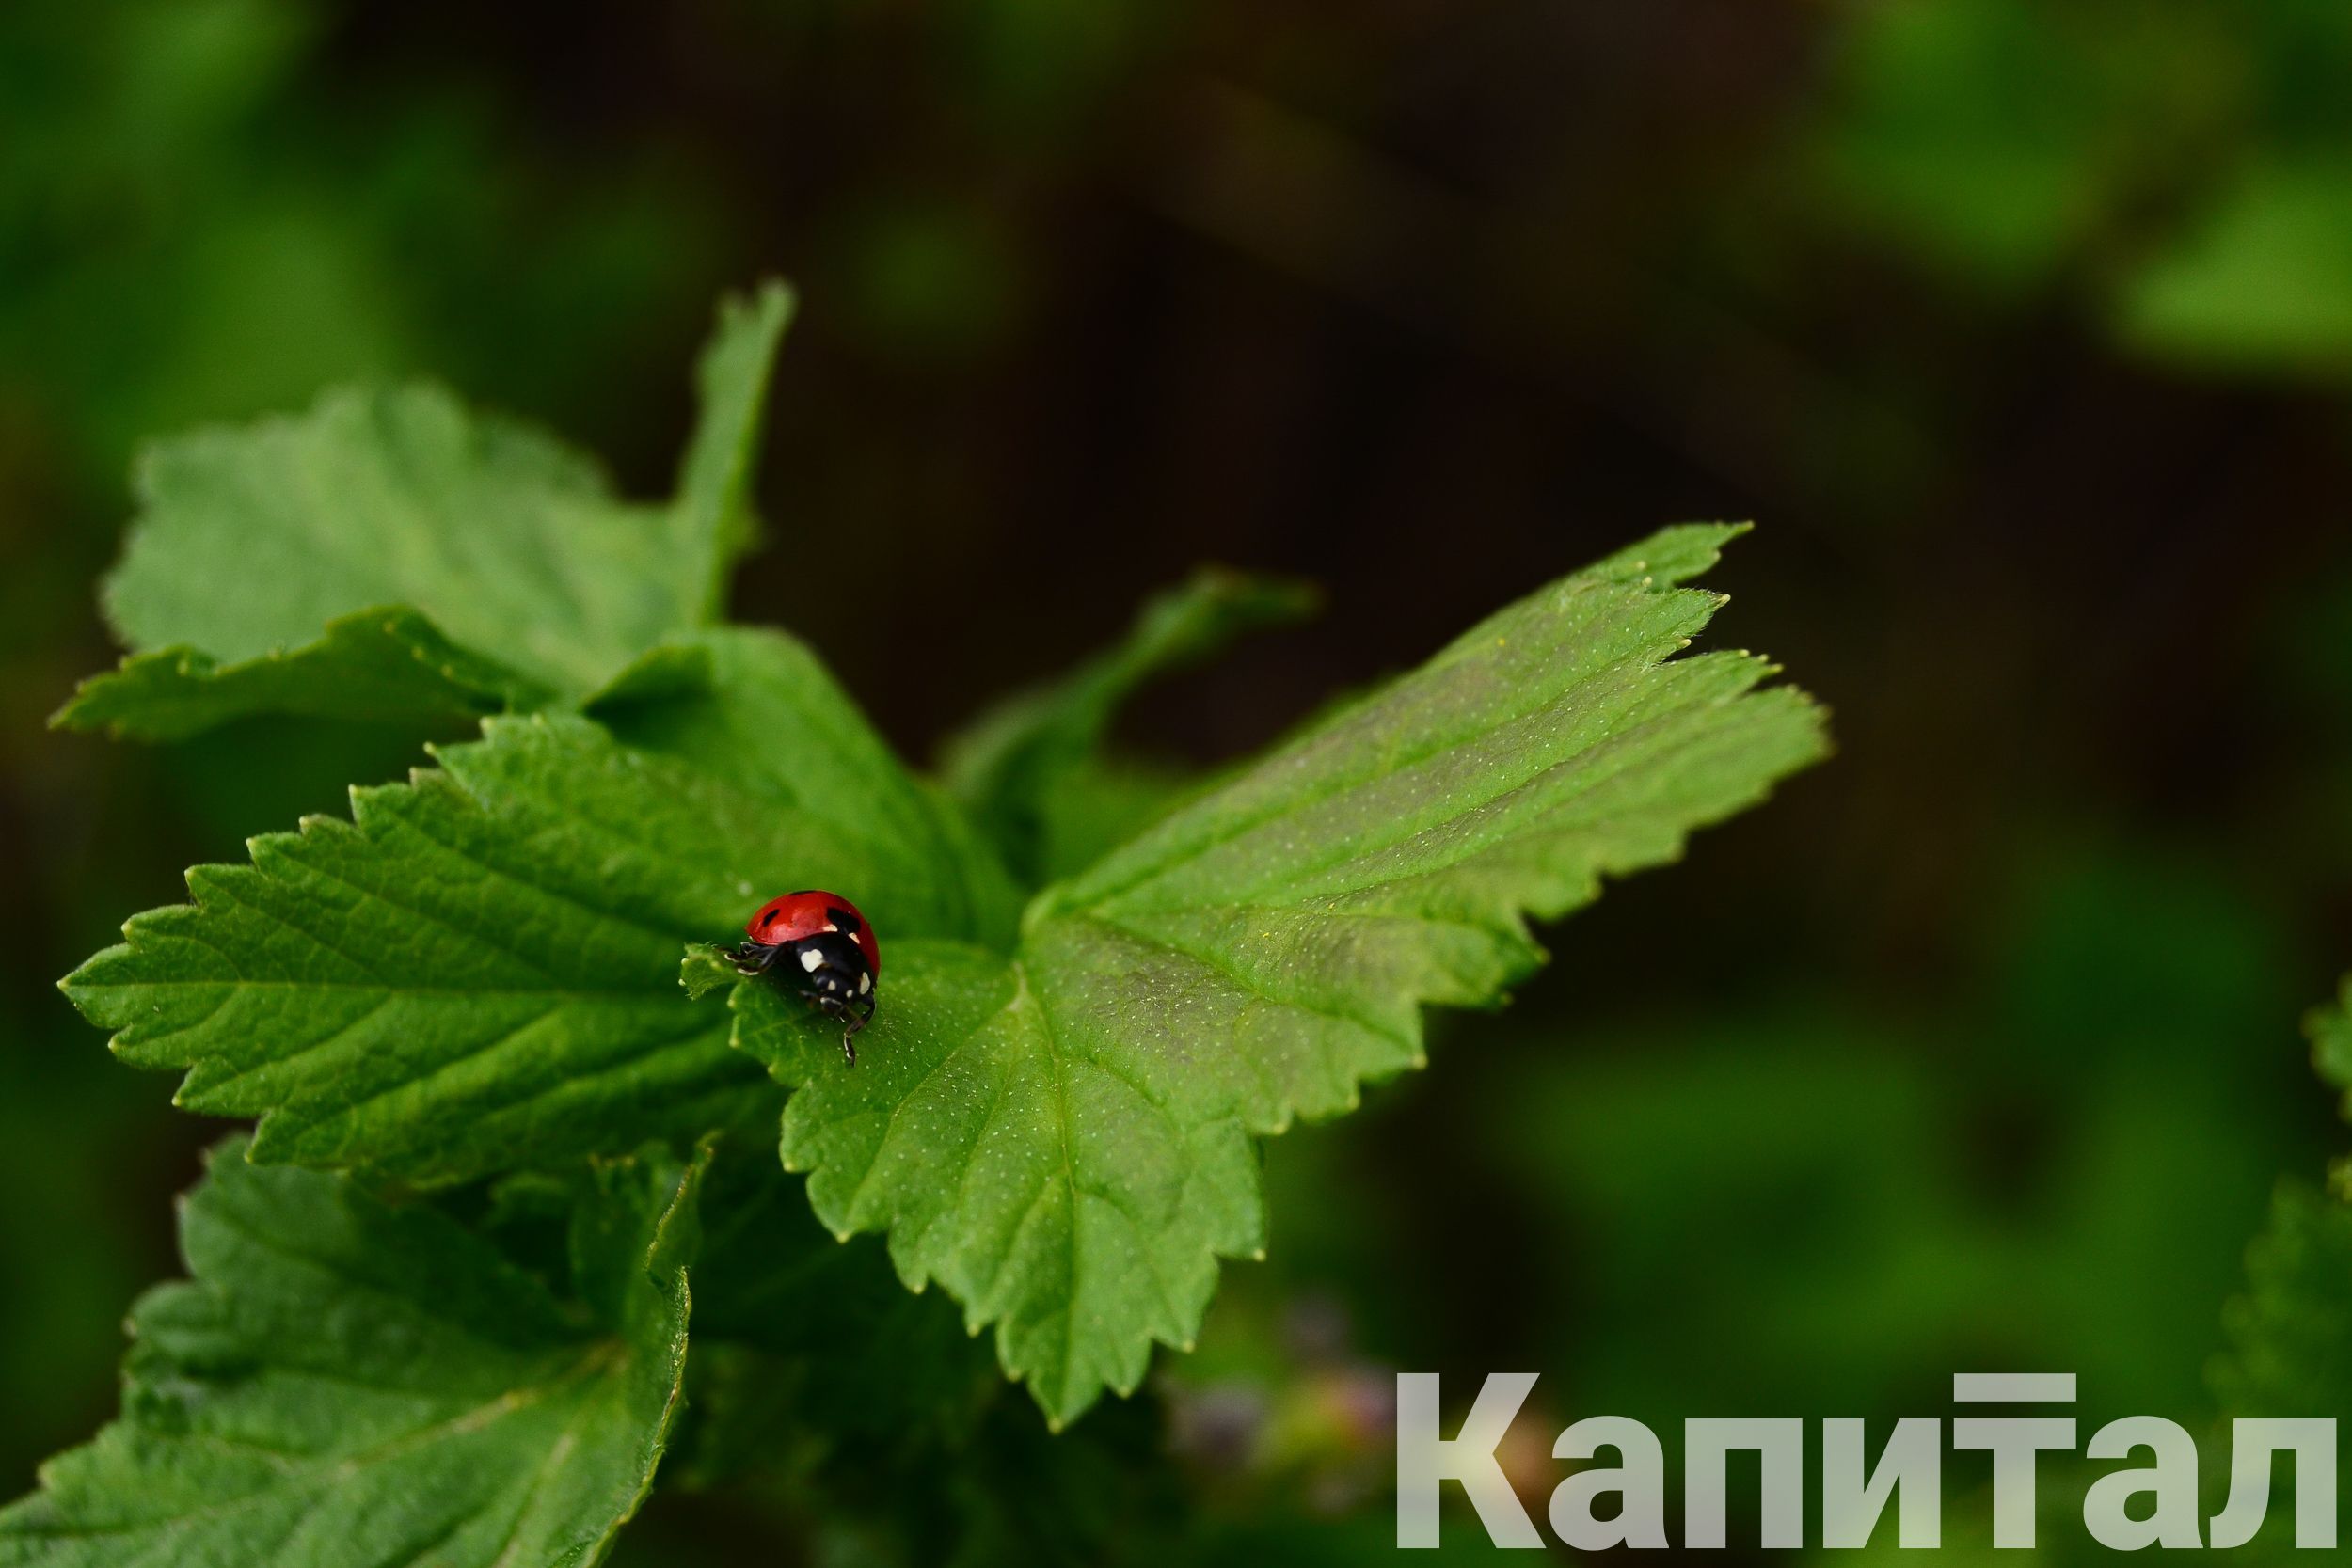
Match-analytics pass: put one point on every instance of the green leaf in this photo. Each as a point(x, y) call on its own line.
point(2263, 280)
point(1063, 1139)
point(758, 716)
point(1997, 140)
point(478, 971)
point(512, 543)
point(2290, 1335)
point(383, 666)
point(714, 519)
point(2329, 1029)
point(2289, 1338)
point(344, 1383)
point(1028, 770)
point(1085, 812)
point(876, 1358)
point(391, 554)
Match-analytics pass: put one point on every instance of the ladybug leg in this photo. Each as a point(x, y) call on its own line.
point(838, 1010)
point(837, 983)
point(852, 1024)
point(752, 958)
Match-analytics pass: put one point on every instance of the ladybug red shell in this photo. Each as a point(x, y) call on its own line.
point(812, 912)
point(819, 944)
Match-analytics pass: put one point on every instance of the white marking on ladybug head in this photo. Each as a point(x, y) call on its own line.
point(831, 927)
point(812, 959)
point(864, 984)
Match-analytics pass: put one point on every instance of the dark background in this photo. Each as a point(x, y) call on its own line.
point(2024, 331)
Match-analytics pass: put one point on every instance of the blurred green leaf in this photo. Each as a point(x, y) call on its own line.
point(2290, 1335)
point(1098, 803)
point(714, 524)
point(2263, 277)
point(1028, 766)
point(2330, 1028)
point(1996, 139)
point(2185, 165)
point(1770, 1217)
point(346, 1383)
point(1063, 1139)
point(840, 1339)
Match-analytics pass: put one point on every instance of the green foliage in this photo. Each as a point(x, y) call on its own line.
point(2289, 1349)
point(1781, 1198)
point(2291, 1334)
point(478, 971)
point(389, 666)
point(2331, 1030)
point(714, 523)
point(347, 1381)
point(1063, 1139)
point(831, 1327)
point(2183, 166)
point(1996, 139)
point(1031, 771)
point(2259, 281)
point(199, 220)
point(477, 976)
point(457, 562)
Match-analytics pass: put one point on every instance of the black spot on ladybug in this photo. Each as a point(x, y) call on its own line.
point(844, 921)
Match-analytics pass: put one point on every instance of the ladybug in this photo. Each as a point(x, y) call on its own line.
point(825, 949)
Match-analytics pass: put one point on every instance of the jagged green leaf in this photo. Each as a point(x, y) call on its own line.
point(480, 969)
point(1063, 1138)
point(391, 554)
point(344, 1383)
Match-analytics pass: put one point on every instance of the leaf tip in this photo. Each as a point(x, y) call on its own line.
point(773, 299)
point(703, 971)
point(70, 715)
